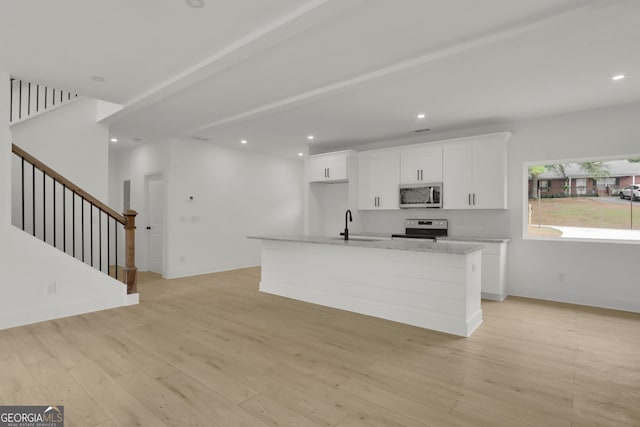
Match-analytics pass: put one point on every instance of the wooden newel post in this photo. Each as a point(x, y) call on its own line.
point(130, 270)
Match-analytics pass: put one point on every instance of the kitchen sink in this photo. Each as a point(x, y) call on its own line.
point(359, 239)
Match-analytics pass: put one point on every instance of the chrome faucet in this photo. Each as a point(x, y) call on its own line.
point(347, 218)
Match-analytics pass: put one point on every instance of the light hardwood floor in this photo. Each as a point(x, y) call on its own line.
point(212, 351)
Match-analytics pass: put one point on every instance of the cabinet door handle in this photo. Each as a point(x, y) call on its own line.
point(474, 199)
point(421, 174)
point(417, 174)
point(469, 199)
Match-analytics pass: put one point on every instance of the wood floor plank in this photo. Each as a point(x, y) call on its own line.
point(352, 421)
point(481, 417)
point(212, 350)
point(422, 408)
point(27, 346)
point(205, 400)
point(172, 408)
point(14, 374)
point(313, 408)
point(33, 396)
point(138, 357)
point(363, 409)
point(274, 413)
point(60, 388)
point(194, 359)
point(120, 406)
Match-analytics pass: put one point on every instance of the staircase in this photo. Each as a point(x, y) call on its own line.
point(60, 213)
point(30, 99)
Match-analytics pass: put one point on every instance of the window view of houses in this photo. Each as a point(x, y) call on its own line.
point(593, 199)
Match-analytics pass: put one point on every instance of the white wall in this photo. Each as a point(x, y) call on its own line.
point(39, 282)
point(5, 154)
point(237, 193)
point(327, 206)
point(69, 140)
point(133, 165)
point(590, 273)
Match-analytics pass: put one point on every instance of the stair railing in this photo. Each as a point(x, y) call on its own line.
point(46, 203)
point(27, 99)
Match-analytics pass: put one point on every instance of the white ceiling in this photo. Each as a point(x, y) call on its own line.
point(347, 71)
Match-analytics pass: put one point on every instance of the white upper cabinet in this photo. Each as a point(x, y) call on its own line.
point(421, 165)
point(378, 180)
point(328, 167)
point(474, 173)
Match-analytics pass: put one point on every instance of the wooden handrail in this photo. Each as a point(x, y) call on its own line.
point(130, 272)
point(70, 185)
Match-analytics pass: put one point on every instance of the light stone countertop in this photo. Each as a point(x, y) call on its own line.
point(449, 238)
point(476, 239)
point(375, 243)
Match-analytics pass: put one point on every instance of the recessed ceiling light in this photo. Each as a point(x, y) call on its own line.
point(300, 154)
point(98, 79)
point(618, 77)
point(195, 3)
point(310, 137)
point(421, 116)
point(244, 141)
point(114, 140)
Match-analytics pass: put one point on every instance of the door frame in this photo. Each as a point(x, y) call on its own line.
point(144, 222)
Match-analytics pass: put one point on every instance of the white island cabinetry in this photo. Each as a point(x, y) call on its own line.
point(425, 284)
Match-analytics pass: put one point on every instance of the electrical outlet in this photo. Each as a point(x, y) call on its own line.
point(52, 287)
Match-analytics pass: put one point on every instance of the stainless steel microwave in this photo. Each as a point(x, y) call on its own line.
point(421, 195)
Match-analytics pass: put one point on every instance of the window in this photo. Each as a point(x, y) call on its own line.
point(543, 185)
point(588, 199)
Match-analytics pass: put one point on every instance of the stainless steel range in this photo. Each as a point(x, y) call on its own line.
point(424, 229)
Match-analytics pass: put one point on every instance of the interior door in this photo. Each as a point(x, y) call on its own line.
point(155, 222)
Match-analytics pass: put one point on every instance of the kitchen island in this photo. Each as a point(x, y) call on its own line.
point(426, 284)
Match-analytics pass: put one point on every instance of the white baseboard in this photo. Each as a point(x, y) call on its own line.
point(492, 297)
point(40, 314)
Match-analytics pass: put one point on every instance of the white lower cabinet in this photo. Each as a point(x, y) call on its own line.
point(494, 269)
point(378, 180)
